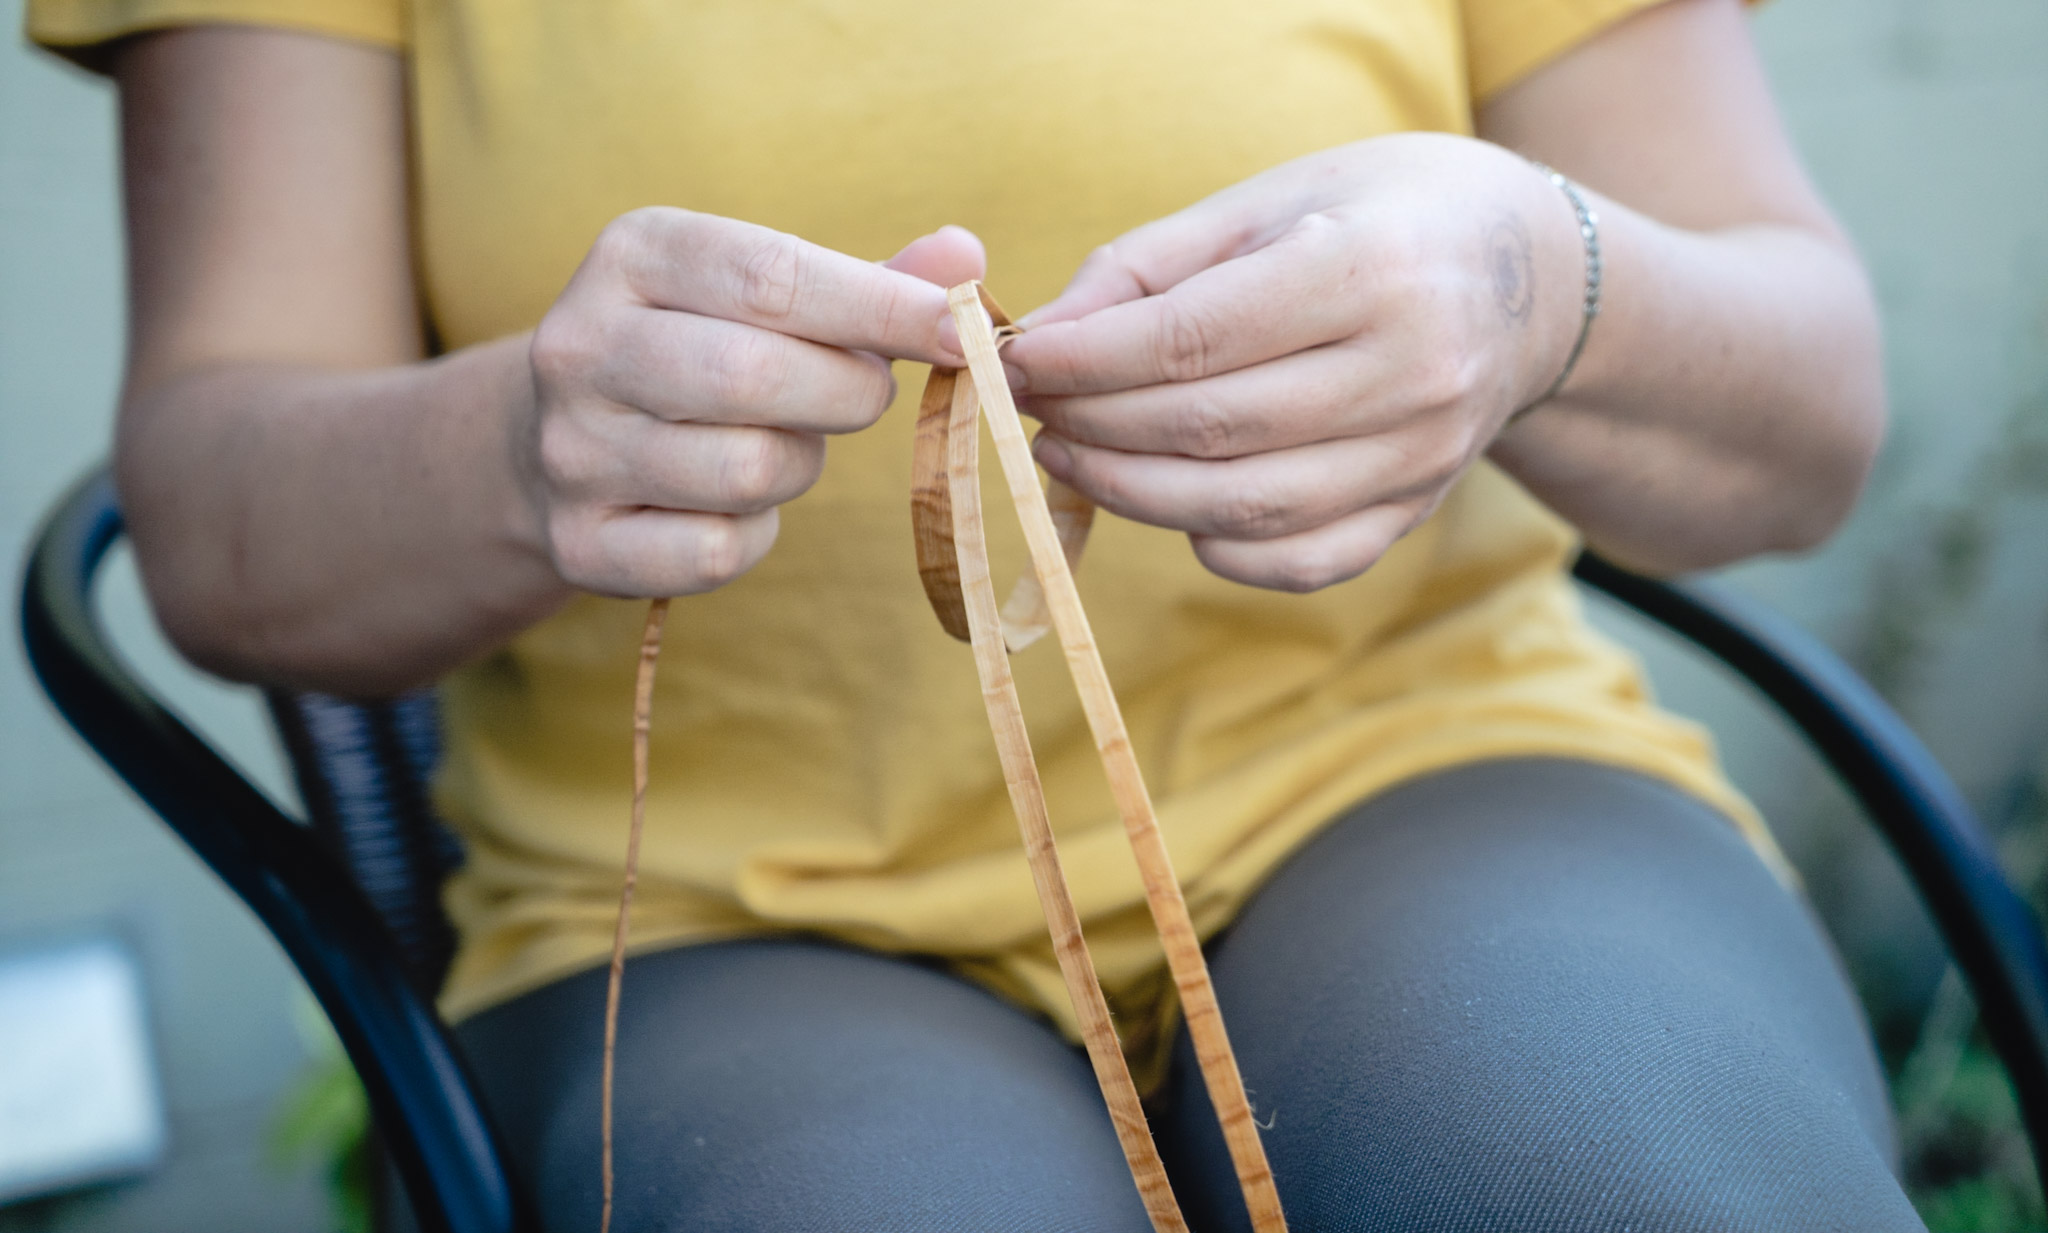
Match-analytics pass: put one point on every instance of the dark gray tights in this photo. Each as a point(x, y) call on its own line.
point(1521, 996)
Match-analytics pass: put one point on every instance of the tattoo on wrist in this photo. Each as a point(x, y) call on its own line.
point(1511, 257)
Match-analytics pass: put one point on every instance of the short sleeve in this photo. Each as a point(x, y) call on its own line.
point(1505, 40)
point(75, 28)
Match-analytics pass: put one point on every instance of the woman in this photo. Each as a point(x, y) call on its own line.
point(451, 318)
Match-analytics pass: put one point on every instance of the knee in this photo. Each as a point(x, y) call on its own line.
point(1513, 1086)
point(1544, 996)
point(1675, 1131)
point(1538, 1155)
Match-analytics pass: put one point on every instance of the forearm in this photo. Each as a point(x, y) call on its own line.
point(357, 531)
point(1729, 401)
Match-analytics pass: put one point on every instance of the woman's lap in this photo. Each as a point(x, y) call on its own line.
point(1523, 995)
point(1540, 995)
point(800, 1087)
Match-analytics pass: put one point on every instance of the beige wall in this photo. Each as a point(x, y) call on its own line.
point(77, 854)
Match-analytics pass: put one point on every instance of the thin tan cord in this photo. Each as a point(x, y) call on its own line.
point(643, 723)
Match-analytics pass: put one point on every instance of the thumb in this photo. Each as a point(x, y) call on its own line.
point(949, 256)
point(1158, 256)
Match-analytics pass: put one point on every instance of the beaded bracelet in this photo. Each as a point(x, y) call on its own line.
point(1589, 233)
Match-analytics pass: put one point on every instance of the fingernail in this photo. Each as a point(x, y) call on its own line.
point(1019, 383)
point(1053, 455)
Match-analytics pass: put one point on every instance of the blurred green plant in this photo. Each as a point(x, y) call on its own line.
point(1965, 1154)
point(324, 1122)
point(1966, 1158)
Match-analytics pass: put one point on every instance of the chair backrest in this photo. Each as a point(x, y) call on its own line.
point(363, 770)
point(419, 1091)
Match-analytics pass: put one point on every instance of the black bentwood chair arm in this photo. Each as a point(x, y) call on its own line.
point(419, 1092)
point(1990, 930)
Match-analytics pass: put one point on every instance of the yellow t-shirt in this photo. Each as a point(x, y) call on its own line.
point(821, 760)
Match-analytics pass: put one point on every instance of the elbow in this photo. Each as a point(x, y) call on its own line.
point(187, 577)
point(1804, 497)
point(1826, 479)
point(214, 627)
point(203, 640)
point(1783, 498)
point(191, 554)
point(1805, 480)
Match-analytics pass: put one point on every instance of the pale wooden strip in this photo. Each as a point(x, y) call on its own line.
point(1025, 617)
point(643, 723)
point(931, 520)
point(1027, 797)
point(1162, 891)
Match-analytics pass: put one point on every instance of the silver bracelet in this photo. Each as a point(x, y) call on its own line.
point(1589, 233)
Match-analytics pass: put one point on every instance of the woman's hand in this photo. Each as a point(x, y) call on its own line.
point(1296, 370)
point(685, 382)
point(317, 504)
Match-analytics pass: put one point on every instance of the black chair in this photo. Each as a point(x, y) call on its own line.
point(351, 893)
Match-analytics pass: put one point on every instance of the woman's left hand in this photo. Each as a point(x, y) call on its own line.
point(1296, 370)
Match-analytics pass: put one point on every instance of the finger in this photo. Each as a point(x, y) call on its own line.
point(946, 258)
point(686, 367)
point(623, 458)
point(1313, 559)
point(1151, 259)
point(1302, 290)
point(1263, 496)
point(651, 552)
point(721, 267)
point(1310, 396)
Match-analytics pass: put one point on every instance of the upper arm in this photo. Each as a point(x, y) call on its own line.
point(267, 204)
point(1669, 112)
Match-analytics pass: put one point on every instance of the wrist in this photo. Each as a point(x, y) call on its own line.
point(523, 492)
point(499, 503)
point(1572, 226)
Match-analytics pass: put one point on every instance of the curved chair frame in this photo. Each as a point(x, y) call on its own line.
point(422, 1098)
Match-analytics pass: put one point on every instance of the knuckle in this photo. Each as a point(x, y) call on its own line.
point(719, 554)
point(1444, 454)
point(625, 241)
point(1185, 343)
point(1106, 261)
point(1299, 575)
point(875, 394)
point(888, 307)
point(616, 242)
point(772, 276)
point(1251, 511)
point(1292, 568)
point(1300, 569)
point(1205, 429)
point(751, 474)
point(1444, 380)
point(563, 453)
point(743, 371)
point(1315, 232)
point(565, 349)
point(574, 550)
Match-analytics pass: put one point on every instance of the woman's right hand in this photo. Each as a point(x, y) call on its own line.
point(685, 380)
